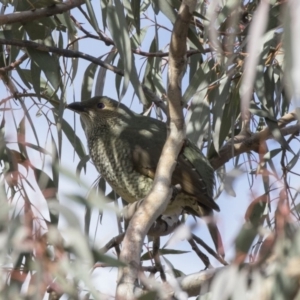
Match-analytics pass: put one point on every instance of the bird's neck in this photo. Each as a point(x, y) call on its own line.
point(104, 130)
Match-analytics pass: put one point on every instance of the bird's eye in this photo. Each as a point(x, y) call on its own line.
point(100, 105)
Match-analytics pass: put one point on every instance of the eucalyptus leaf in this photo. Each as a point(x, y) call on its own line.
point(48, 64)
point(73, 139)
point(164, 251)
point(88, 81)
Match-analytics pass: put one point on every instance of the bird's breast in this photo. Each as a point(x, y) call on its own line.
point(113, 159)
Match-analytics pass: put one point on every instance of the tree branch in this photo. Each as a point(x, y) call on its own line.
point(156, 201)
point(164, 225)
point(204, 258)
point(30, 15)
point(243, 144)
point(191, 284)
point(62, 52)
point(151, 96)
point(108, 41)
point(115, 241)
point(156, 256)
point(14, 64)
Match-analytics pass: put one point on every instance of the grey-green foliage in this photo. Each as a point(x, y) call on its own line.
point(274, 276)
point(50, 67)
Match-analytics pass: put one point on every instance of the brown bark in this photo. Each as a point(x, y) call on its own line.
point(30, 15)
point(156, 201)
point(242, 144)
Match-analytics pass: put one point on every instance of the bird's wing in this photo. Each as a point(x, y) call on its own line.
point(195, 175)
point(144, 162)
point(193, 171)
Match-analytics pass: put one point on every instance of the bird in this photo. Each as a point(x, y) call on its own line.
point(125, 148)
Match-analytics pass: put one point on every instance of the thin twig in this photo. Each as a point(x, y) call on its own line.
point(156, 256)
point(209, 250)
point(14, 64)
point(117, 240)
point(242, 144)
point(62, 52)
point(200, 254)
point(31, 15)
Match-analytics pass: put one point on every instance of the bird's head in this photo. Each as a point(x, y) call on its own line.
point(100, 111)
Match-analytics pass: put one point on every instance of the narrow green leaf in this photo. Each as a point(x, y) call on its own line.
point(291, 46)
point(219, 135)
point(177, 273)
point(271, 154)
point(21, 130)
point(119, 78)
point(100, 79)
point(195, 13)
point(145, 5)
point(25, 76)
point(49, 189)
point(69, 215)
point(94, 201)
point(195, 62)
point(255, 216)
point(88, 81)
point(92, 15)
point(112, 196)
point(55, 162)
point(102, 185)
point(36, 77)
point(18, 34)
point(118, 29)
point(82, 164)
point(113, 262)
point(104, 7)
point(268, 157)
point(73, 139)
point(194, 39)
point(265, 92)
point(150, 67)
point(37, 148)
point(245, 238)
point(36, 30)
point(260, 112)
point(87, 220)
point(293, 161)
point(135, 6)
point(67, 22)
point(48, 64)
point(48, 93)
point(28, 117)
point(231, 112)
point(198, 82)
point(256, 211)
point(75, 47)
point(166, 8)
point(148, 255)
point(198, 118)
point(45, 183)
point(137, 39)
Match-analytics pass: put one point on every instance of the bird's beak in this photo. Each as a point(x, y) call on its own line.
point(77, 107)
